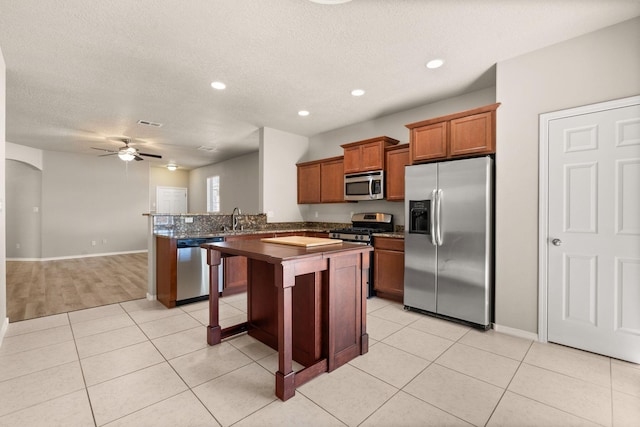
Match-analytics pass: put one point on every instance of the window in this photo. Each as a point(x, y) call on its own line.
point(213, 194)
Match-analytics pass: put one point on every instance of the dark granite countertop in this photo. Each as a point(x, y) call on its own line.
point(393, 235)
point(172, 235)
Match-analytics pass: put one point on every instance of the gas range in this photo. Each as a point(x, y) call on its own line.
point(363, 226)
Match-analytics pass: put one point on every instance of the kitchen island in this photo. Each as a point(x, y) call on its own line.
point(308, 303)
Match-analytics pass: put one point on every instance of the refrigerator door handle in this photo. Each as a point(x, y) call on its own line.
point(438, 217)
point(432, 231)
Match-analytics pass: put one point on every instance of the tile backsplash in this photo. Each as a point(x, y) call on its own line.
point(211, 223)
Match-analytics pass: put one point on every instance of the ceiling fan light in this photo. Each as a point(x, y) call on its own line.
point(126, 156)
point(172, 167)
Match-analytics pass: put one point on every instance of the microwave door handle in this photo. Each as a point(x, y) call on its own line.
point(439, 217)
point(370, 187)
point(432, 231)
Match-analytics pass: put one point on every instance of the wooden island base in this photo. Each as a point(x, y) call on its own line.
point(307, 303)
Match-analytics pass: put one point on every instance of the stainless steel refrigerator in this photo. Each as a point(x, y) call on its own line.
point(449, 239)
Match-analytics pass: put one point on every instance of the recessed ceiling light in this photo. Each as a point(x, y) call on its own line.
point(303, 113)
point(357, 92)
point(435, 63)
point(218, 85)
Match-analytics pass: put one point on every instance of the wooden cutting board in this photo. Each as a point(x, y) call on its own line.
point(303, 241)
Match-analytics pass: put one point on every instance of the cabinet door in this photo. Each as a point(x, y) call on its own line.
point(309, 183)
point(352, 159)
point(388, 258)
point(332, 181)
point(364, 157)
point(235, 268)
point(396, 161)
point(235, 275)
point(372, 155)
point(429, 142)
point(472, 135)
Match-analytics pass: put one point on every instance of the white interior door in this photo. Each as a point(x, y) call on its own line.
point(171, 200)
point(593, 240)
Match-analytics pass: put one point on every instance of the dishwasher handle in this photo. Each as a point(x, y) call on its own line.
point(196, 242)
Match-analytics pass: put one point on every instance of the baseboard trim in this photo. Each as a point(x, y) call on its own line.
point(78, 256)
point(3, 329)
point(516, 332)
point(151, 297)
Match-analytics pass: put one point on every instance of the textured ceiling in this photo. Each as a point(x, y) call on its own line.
point(79, 72)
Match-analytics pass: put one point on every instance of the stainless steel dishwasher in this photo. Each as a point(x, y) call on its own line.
point(193, 271)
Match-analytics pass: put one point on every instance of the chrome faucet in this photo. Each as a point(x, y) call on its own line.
point(234, 218)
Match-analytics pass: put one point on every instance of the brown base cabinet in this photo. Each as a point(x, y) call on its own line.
point(388, 268)
point(235, 268)
point(166, 271)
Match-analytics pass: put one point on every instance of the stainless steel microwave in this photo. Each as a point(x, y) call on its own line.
point(364, 186)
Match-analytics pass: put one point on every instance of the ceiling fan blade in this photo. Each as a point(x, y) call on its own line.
point(104, 149)
point(138, 158)
point(157, 156)
point(110, 154)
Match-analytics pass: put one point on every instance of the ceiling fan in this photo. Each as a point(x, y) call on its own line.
point(127, 153)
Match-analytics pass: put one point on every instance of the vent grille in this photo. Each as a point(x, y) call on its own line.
point(149, 123)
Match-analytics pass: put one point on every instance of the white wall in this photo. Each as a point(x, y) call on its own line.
point(279, 153)
point(24, 200)
point(599, 66)
point(4, 320)
point(328, 145)
point(88, 198)
point(23, 194)
point(239, 185)
point(22, 153)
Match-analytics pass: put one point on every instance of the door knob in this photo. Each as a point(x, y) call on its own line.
point(556, 242)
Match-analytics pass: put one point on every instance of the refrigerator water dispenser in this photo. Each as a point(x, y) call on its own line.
point(420, 220)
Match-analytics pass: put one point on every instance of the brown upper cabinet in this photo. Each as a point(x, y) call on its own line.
point(396, 159)
point(308, 182)
point(461, 134)
point(332, 180)
point(366, 155)
point(321, 181)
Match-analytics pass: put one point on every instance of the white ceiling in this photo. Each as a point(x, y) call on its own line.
point(79, 72)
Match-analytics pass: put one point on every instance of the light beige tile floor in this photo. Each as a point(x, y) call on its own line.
point(140, 364)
